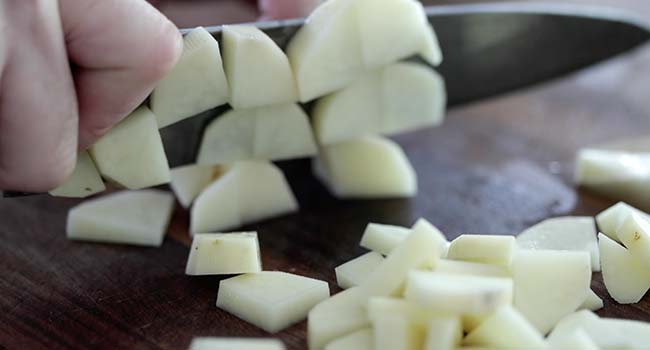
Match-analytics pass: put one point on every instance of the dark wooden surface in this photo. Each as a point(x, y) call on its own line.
point(495, 167)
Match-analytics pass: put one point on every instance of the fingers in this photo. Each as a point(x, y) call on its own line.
point(38, 111)
point(281, 9)
point(121, 48)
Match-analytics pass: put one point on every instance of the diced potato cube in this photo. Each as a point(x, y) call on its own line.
point(592, 302)
point(457, 267)
point(271, 300)
point(359, 340)
point(128, 217)
point(188, 181)
point(336, 317)
point(236, 344)
point(611, 218)
point(634, 232)
point(84, 181)
point(577, 340)
point(626, 278)
point(383, 238)
point(424, 224)
point(379, 307)
point(353, 272)
point(488, 249)
point(396, 332)
point(444, 333)
point(507, 329)
point(224, 254)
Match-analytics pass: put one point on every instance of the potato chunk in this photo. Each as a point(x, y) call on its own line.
point(383, 238)
point(129, 217)
point(507, 329)
point(353, 272)
point(592, 302)
point(224, 254)
point(626, 278)
point(84, 181)
point(236, 344)
point(188, 181)
point(271, 300)
point(634, 232)
point(359, 340)
point(611, 218)
point(487, 249)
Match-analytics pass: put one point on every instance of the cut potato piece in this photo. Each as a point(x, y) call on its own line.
point(419, 250)
point(271, 300)
point(273, 132)
point(258, 71)
point(626, 278)
point(396, 332)
point(197, 83)
point(383, 238)
point(593, 302)
point(634, 232)
point(379, 307)
point(458, 294)
point(129, 217)
point(506, 329)
point(577, 340)
point(353, 272)
point(397, 98)
point(131, 154)
point(188, 181)
point(610, 219)
point(471, 322)
point(487, 249)
point(431, 52)
point(224, 254)
point(336, 317)
point(457, 267)
point(370, 167)
point(443, 333)
point(250, 191)
point(424, 224)
point(325, 53)
point(235, 344)
point(84, 181)
point(359, 340)
point(550, 284)
point(576, 233)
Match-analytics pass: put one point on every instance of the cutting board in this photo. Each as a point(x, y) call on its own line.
point(494, 167)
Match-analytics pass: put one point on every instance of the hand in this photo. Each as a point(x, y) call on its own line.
point(70, 70)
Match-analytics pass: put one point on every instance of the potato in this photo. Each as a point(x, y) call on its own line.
point(419, 249)
point(393, 332)
point(506, 329)
point(626, 278)
point(550, 284)
point(250, 191)
point(353, 272)
point(271, 300)
point(383, 238)
point(131, 154)
point(257, 69)
point(444, 333)
point(424, 224)
point(196, 84)
point(370, 167)
point(273, 133)
point(634, 232)
point(359, 340)
point(224, 254)
point(457, 267)
point(472, 321)
point(84, 181)
point(379, 307)
point(342, 314)
point(576, 233)
point(129, 217)
point(394, 99)
point(188, 181)
point(458, 294)
point(592, 302)
point(235, 344)
point(577, 340)
point(487, 249)
point(610, 219)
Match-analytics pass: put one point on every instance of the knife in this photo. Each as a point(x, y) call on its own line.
point(488, 49)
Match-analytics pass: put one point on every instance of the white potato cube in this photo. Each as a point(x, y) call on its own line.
point(396, 332)
point(84, 181)
point(487, 249)
point(224, 254)
point(506, 329)
point(444, 333)
point(611, 218)
point(626, 278)
point(577, 340)
point(236, 344)
point(472, 321)
point(457, 267)
point(353, 272)
point(431, 52)
point(250, 191)
point(458, 294)
point(196, 84)
point(424, 224)
point(190, 180)
point(379, 307)
point(634, 232)
point(336, 317)
point(273, 132)
point(419, 250)
point(325, 53)
point(592, 302)
point(257, 69)
point(131, 154)
point(359, 340)
point(271, 300)
point(576, 233)
point(398, 98)
point(128, 217)
point(370, 167)
point(550, 284)
point(383, 238)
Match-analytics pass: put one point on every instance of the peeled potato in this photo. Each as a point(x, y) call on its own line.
point(443, 333)
point(396, 332)
point(487, 249)
point(235, 344)
point(131, 154)
point(353, 272)
point(370, 167)
point(626, 278)
point(258, 71)
point(577, 340)
point(611, 218)
point(507, 329)
point(634, 232)
point(592, 302)
point(224, 254)
point(197, 83)
point(188, 181)
point(84, 181)
point(359, 340)
point(383, 238)
point(457, 267)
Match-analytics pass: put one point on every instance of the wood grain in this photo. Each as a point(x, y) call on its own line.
point(495, 167)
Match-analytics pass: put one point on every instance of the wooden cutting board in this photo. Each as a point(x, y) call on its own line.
point(494, 167)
